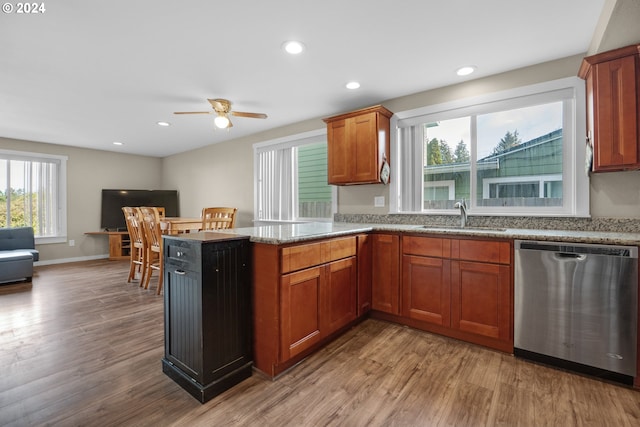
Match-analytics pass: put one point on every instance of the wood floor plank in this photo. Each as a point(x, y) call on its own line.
point(80, 346)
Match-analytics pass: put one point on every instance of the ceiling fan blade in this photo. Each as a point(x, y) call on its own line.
point(194, 112)
point(250, 115)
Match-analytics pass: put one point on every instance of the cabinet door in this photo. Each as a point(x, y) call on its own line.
point(385, 286)
point(340, 295)
point(226, 305)
point(300, 306)
point(364, 135)
point(364, 273)
point(339, 153)
point(481, 301)
point(183, 312)
point(614, 119)
point(426, 289)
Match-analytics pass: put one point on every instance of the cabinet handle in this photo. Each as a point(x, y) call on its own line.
point(181, 272)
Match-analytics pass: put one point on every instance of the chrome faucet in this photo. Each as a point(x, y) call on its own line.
point(463, 212)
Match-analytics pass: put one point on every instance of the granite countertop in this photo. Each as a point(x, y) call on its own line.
point(597, 237)
point(292, 233)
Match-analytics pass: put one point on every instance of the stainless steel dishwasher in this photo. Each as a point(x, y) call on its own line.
point(576, 306)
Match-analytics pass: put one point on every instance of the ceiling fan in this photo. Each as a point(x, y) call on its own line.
point(222, 107)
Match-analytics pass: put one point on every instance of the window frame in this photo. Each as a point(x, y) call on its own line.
point(570, 90)
point(61, 202)
point(292, 141)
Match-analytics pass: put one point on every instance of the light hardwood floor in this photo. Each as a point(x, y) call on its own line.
point(81, 347)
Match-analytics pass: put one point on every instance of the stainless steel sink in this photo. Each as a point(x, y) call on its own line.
point(466, 227)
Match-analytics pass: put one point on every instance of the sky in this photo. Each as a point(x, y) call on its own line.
point(530, 122)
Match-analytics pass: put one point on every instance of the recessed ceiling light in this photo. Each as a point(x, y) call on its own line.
point(117, 143)
point(293, 47)
point(353, 85)
point(466, 70)
point(164, 124)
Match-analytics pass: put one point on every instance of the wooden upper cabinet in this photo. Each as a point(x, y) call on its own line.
point(613, 108)
point(358, 144)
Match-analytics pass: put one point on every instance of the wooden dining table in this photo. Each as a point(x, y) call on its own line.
point(176, 224)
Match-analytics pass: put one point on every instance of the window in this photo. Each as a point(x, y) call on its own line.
point(511, 153)
point(291, 179)
point(33, 193)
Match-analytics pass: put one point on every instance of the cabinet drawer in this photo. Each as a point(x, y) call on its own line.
point(183, 255)
point(426, 246)
point(301, 256)
point(491, 251)
point(310, 254)
point(342, 248)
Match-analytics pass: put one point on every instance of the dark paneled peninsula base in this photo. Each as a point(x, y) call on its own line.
point(207, 300)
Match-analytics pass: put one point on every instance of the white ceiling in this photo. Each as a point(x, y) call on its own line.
point(88, 73)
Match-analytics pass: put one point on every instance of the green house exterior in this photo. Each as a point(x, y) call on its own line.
point(314, 194)
point(529, 174)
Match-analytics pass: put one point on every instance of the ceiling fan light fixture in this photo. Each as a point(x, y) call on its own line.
point(293, 47)
point(221, 121)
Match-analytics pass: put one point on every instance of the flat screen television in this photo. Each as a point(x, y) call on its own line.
point(112, 217)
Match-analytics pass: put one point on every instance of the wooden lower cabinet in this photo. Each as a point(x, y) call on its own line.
point(426, 289)
point(340, 294)
point(304, 295)
point(459, 287)
point(385, 285)
point(300, 301)
point(365, 270)
point(481, 299)
point(316, 302)
point(307, 293)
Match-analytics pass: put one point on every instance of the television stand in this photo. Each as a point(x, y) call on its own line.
point(119, 244)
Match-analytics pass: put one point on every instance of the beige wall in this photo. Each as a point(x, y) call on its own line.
point(88, 172)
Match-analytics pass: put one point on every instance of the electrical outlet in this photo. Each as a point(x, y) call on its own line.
point(378, 202)
point(72, 242)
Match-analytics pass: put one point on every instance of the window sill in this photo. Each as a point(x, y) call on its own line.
point(50, 240)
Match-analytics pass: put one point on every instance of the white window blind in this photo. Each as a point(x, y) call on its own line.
point(32, 193)
point(290, 182)
point(275, 184)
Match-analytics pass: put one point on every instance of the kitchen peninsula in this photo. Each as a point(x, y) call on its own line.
point(312, 281)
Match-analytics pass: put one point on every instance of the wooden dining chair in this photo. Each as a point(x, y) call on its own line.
point(161, 211)
point(137, 244)
point(153, 235)
point(218, 218)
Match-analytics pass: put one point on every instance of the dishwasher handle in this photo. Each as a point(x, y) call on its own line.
point(569, 255)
